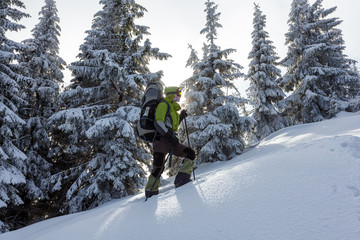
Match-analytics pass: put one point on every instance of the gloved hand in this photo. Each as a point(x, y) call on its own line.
point(190, 154)
point(172, 138)
point(183, 114)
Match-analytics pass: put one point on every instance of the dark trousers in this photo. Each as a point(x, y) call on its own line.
point(162, 147)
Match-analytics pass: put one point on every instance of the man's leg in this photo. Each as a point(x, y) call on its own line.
point(161, 147)
point(152, 186)
point(184, 174)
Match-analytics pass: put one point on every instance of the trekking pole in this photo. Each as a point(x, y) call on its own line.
point(188, 138)
point(162, 169)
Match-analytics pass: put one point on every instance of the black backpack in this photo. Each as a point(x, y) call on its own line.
point(152, 97)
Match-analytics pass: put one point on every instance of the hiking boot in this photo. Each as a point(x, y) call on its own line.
point(149, 194)
point(182, 179)
point(152, 186)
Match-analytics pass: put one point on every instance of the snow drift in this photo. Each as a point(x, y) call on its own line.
point(301, 183)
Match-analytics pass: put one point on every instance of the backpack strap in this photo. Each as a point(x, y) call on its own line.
point(166, 114)
point(168, 108)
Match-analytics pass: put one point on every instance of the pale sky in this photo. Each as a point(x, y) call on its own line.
point(176, 23)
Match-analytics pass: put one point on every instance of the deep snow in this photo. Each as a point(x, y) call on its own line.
point(301, 183)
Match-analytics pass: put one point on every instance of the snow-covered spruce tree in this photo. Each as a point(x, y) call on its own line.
point(354, 67)
point(295, 39)
point(328, 48)
point(318, 73)
point(328, 62)
point(264, 91)
point(13, 167)
point(214, 123)
point(40, 62)
point(354, 104)
point(97, 129)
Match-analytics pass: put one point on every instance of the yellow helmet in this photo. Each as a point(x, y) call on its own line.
point(172, 91)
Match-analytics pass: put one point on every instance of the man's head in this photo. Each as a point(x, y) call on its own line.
point(175, 91)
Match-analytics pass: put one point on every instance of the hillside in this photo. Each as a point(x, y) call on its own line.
point(301, 183)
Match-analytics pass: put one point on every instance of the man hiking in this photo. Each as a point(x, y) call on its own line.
point(166, 123)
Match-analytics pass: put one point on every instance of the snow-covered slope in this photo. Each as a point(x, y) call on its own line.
point(301, 183)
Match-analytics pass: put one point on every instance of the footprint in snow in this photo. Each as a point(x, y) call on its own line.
point(353, 145)
point(355, 190)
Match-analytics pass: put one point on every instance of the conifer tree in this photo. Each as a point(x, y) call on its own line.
point(40, 62)
point(318, 73)
point(264, 91)
point(13, 167)
point(328, 49)
point(96, 130)
point(215, 126)
point(354, 67)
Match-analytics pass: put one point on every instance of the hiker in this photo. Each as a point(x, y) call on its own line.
point(166, 124)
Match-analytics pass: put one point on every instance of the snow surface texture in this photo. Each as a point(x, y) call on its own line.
point(301, 183)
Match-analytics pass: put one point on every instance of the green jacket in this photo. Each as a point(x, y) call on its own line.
point(164, 123)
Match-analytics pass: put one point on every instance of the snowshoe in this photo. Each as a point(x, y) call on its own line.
point(182, 179)
point(179, 184)
point(149, 194)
